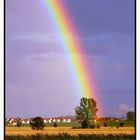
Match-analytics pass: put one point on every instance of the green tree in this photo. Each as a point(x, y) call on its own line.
point(131, 115)
point(86, 112)
point(37, 123)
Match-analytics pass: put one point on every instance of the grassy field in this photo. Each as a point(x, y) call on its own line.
point(66, 136)
point(55, 131)
point(111, 124)
point(65, 131)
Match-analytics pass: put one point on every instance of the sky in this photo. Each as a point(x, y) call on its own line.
point(38, 79)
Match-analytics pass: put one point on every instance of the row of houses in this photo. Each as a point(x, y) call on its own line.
point(58, 120)
point(14, 121)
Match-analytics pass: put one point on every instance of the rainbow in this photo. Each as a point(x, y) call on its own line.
point(64, 25)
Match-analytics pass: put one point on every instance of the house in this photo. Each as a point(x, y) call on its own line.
point(45, 121)
point(68, 120)
point(12, 121)
point(58, 120)
point(26, 121)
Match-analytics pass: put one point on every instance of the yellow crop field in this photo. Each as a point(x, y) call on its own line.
point(54, 131)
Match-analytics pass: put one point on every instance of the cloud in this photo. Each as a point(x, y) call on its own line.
point(91, 44)
point(37, 37)
point(123, 109)
point(118, 91)
point(57, 36)
point(47, 37)
point(117, 67)
point(12, 89)
point(46, 56)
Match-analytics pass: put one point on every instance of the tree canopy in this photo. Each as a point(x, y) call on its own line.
point(86, 113)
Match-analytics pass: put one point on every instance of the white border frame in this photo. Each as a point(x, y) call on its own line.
point(138, 68)
point(1, 70)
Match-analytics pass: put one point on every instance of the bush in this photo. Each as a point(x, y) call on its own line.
point(105, 124)
point(121, 124)
point(92, 126)
point(18, 124)
point(55, 124)
point(98, 126)
point(84, 124)
point(37, 123)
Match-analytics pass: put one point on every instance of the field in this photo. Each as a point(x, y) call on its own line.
point(66, 132)
point(55, 131)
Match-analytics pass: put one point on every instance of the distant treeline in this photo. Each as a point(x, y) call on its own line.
point(66, 136)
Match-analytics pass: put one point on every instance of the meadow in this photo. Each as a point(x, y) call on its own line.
point(60, 130)
point(66, 136)
point(67, 133)
point(70, 131)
